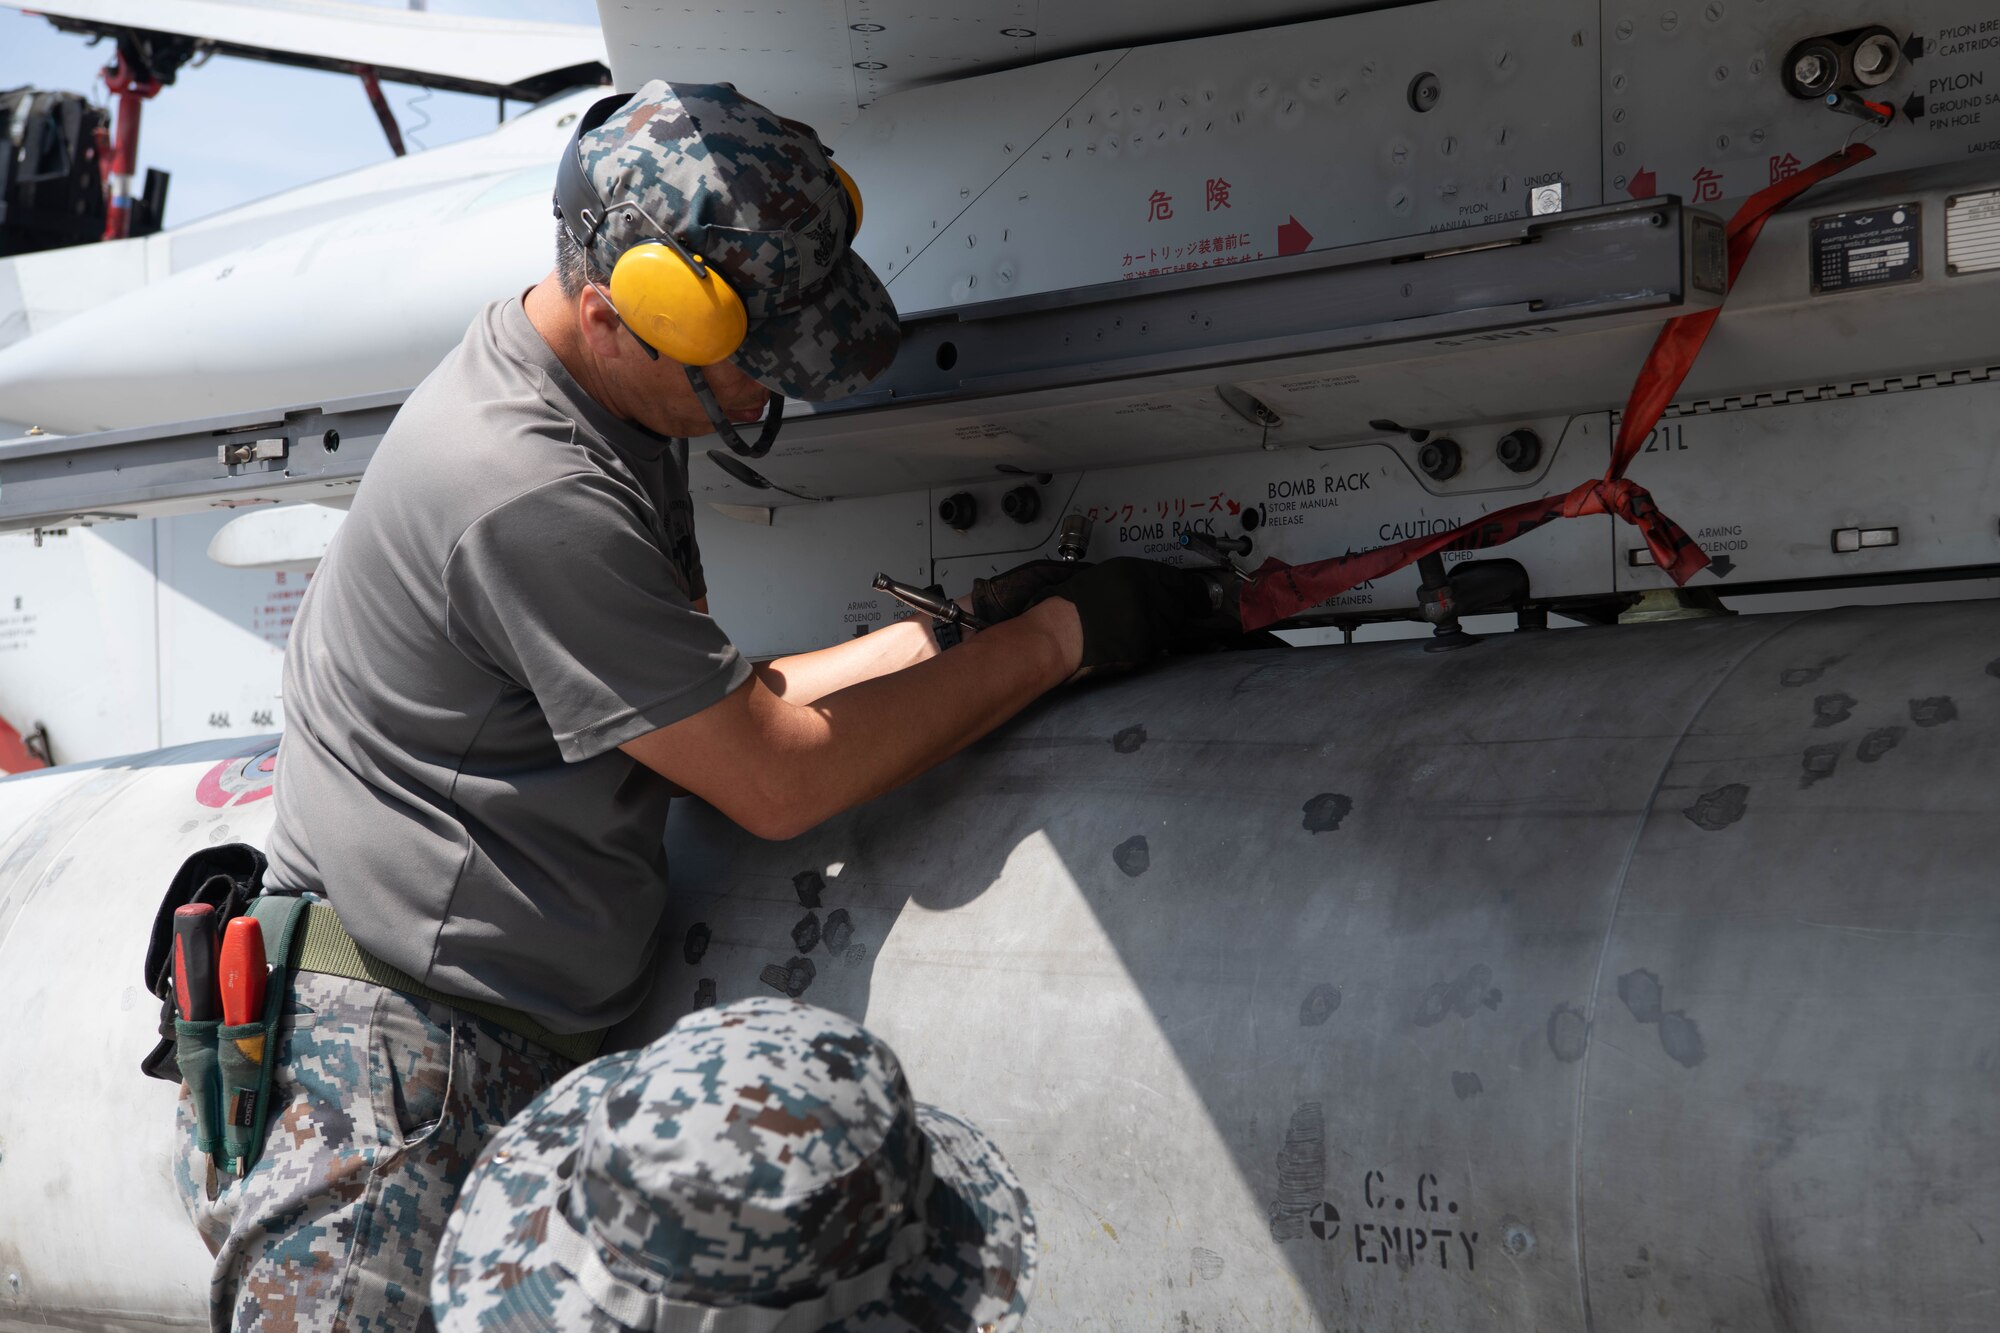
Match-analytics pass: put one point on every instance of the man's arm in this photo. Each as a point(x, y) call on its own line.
point(778, 766)
point(806, 677)
point(803, 677)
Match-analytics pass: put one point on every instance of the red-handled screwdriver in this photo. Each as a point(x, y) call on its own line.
point(243, 972)
point(194, 962)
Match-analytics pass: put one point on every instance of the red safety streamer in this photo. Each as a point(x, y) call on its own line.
point(1279, 591)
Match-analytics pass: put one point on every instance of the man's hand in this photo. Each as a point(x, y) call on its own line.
point(1010, 592)
point(1133, 610)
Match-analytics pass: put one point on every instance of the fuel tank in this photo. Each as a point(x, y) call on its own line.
point(1621, 978)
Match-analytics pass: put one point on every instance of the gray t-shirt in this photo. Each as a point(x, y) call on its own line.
point(510, 599)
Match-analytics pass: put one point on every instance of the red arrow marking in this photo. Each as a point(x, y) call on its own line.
point(1644, 184)
point(1292, 238)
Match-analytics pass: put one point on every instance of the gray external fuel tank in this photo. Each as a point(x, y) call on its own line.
point(1633, 978)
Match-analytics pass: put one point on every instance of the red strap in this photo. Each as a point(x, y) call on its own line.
point(1278, 591)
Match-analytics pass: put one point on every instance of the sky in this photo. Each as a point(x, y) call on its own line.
point(236, 130)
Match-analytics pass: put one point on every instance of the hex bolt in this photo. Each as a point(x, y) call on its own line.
point(959, 512)
point(1441, 458)
point(1520, 450)
point(1023, 504)
point(1813, 69)
point(1875, 59)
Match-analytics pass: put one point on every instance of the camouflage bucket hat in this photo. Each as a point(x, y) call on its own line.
point(757, 196)
point(761, 1168)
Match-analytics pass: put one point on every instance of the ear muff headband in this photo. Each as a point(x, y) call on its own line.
point(673, 302)
point(853, 196)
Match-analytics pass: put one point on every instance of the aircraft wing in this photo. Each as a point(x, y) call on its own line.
point(458, 53)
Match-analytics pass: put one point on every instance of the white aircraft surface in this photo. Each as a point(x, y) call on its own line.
point(1625, 978)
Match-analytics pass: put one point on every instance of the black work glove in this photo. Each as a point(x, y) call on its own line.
point(1133, 610)
point(1010, 592)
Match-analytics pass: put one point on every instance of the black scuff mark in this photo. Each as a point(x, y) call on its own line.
point(1781, 1285)
point(838, 931)
point(1133, 856)
point(1680, 1037)
point(1301, 1172)
point(1569, 1032)
point(1832, 709)
point(1319, 1005)
point(1129, 740)
point(1878, 743)
point(1993, 668)
point(1461, 996)
point(1207, 1263)
point(1793, 677)
point(809, 885)
point(1818, 763)
point(1465, 1086)
point(1324, 812)
point(704, 993)
point(1642, 994)
point(790, 978)
point(805, 935)
point(1934, 711)
point(1718, 809)
point(695, 944)
point(1646, 999)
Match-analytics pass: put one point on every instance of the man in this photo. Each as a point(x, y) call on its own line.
point(505, 668)
point(761, 1166)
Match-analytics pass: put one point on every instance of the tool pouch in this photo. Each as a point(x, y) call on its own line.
point(247, 1054)
point(195, 1053)
point(227, 877)
point(229, 1069)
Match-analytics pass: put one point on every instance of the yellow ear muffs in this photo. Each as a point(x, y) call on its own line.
point(694, 319)
point(853, 194)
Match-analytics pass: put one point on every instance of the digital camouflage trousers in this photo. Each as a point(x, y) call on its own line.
point(381, 1104)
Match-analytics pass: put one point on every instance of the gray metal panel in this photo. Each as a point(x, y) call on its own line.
point(1768, 487)
point(1307, 504)
point(1693, 100)
point(795, 579)
point(1128, 373)
point(1267, 141)
point(1205, 948)
point(50, 481)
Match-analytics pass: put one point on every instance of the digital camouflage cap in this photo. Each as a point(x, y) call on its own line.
point(755, 195)
point(761, 1168)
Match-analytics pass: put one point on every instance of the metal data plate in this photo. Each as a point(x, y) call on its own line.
point(1868, 249)
point(1859, 486)
point(1310, 504)
point(1972, 233)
